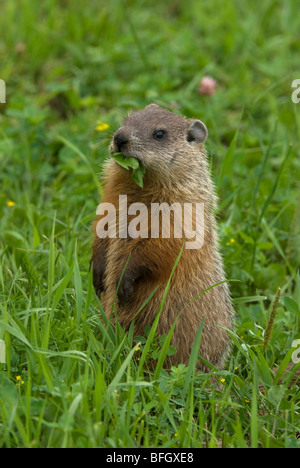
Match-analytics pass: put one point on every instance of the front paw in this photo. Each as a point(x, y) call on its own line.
point(125, 289)
point(98, 276)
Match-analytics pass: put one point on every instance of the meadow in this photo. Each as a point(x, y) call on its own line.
point(73, 70)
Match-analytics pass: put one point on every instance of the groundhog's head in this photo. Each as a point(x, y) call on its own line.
point(161, 140)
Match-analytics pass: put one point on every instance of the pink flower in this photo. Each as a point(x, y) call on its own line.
point(207, 86)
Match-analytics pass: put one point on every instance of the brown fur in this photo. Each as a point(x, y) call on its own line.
point(176, 171)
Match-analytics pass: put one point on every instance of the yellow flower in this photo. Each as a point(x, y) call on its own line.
point(10, 203)
point(176, 435)
point(137, 348)
point(231, 241)
point(246, 400)
point(18, 377)
point(101, 126)
point(222, 380)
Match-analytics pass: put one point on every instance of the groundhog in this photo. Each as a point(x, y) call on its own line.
point(170, 148)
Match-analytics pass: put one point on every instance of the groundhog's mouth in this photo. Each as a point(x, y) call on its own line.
point(130, 162)
point(125, 154)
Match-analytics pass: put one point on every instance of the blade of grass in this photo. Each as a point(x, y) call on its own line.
point(254, 413)
point(283, 365)
point(229, 156)
point(120, 373)
point(193, 358)
point(247, 299)
point(268, 201)
point(164, 399)
point(263, 166)
point(271, 194)
point(51, 261)
point(89, 294)
point(62, 287)
point(100, 388)
point(164, 350)
point(83, 157)
point(276, 243)
point(78, 288)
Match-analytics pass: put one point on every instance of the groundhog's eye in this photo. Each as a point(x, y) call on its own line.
point(159, 134)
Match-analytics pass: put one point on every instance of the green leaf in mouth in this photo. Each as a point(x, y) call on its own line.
point(138, 170)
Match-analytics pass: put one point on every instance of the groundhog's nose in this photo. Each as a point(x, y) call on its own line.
point(120, 141)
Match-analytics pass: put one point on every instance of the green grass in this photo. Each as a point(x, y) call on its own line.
point(68, 65)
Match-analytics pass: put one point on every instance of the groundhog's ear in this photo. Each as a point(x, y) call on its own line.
point(197, 132)
point(152, 106)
